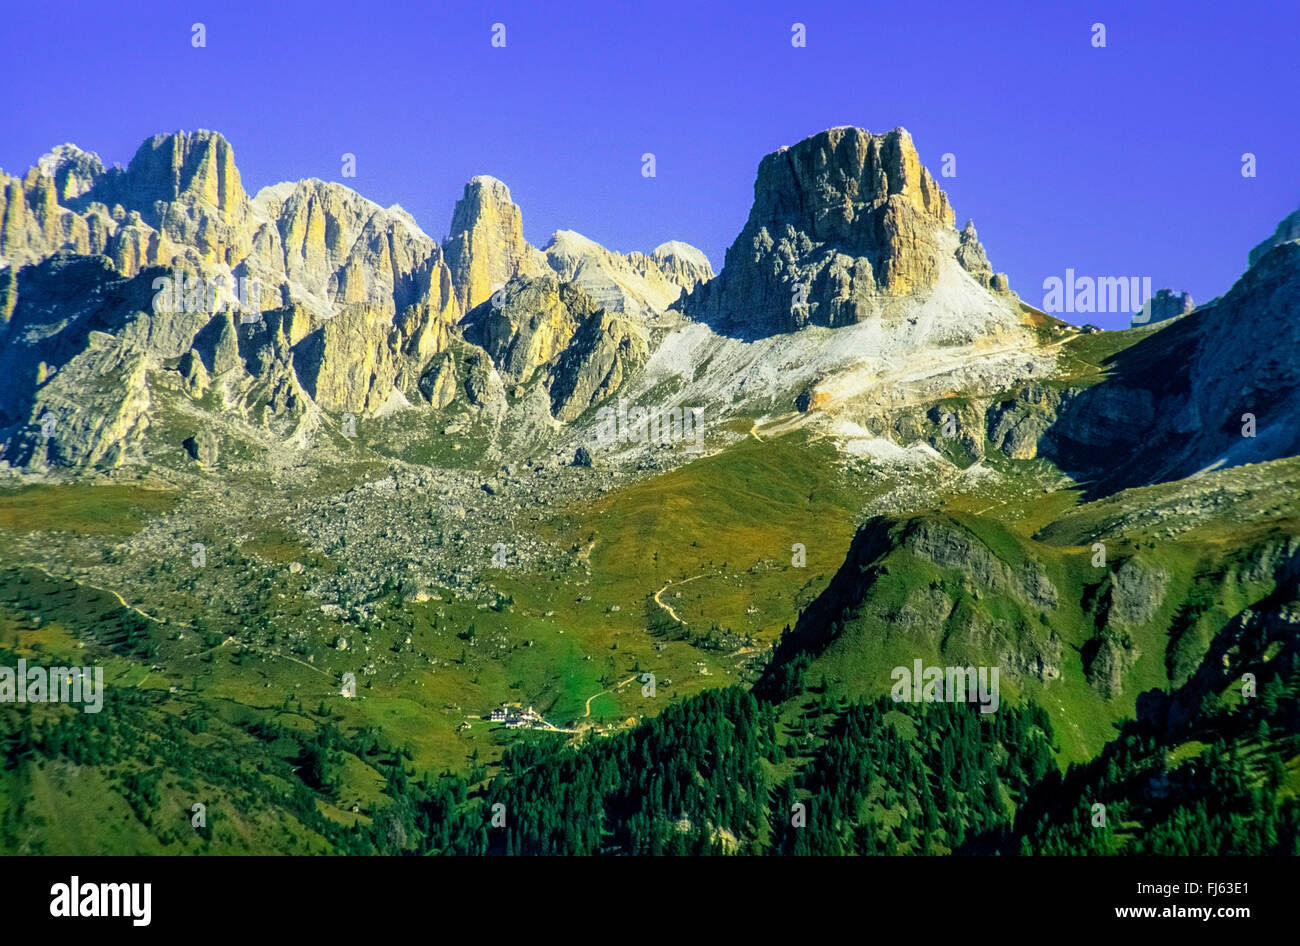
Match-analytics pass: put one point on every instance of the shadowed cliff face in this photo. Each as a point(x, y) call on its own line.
point(1177, 401)
point(842, 223)
point(68, 337)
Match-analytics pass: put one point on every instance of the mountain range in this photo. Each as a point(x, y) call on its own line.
point(431, 466)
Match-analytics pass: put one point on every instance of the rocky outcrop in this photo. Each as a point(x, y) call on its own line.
point(635, 284)
point(438, 384)
point(486, 246)
point(1017, 425)
point(204, 447)
point(1029, 655)
point(351, 363)
point(970, 254)
point(1137, 589)
point(952, 430)
point(1163, 306)
point(1106, 659)
point(921, 616)
point(1134, 594)
point(535, 321)
point(483, 386)
point(949, 545)
point(842, 223)
point(542, 328)
point(605, 351)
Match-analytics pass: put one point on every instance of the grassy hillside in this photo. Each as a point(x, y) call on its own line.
point(225, 681)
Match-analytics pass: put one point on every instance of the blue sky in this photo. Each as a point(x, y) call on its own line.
point(1117, 161)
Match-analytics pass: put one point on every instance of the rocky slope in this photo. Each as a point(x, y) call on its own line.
point(847, 300)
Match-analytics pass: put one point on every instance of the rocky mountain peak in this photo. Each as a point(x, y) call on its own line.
point(843, 223)
point(1164, 305)
point(74, 171)
point(632, 283)
point(570, 243)
point(487, 246)
point(828, 184)
point(344, 305)
point(181, 165)
point(684, 252)
point(484, 190)
point(684, 264)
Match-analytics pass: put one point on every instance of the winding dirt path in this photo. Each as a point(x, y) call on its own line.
point(85, 584)
point(616, 687)
point(668, 607)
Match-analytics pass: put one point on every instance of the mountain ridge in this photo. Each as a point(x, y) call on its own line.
point(359, 311)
